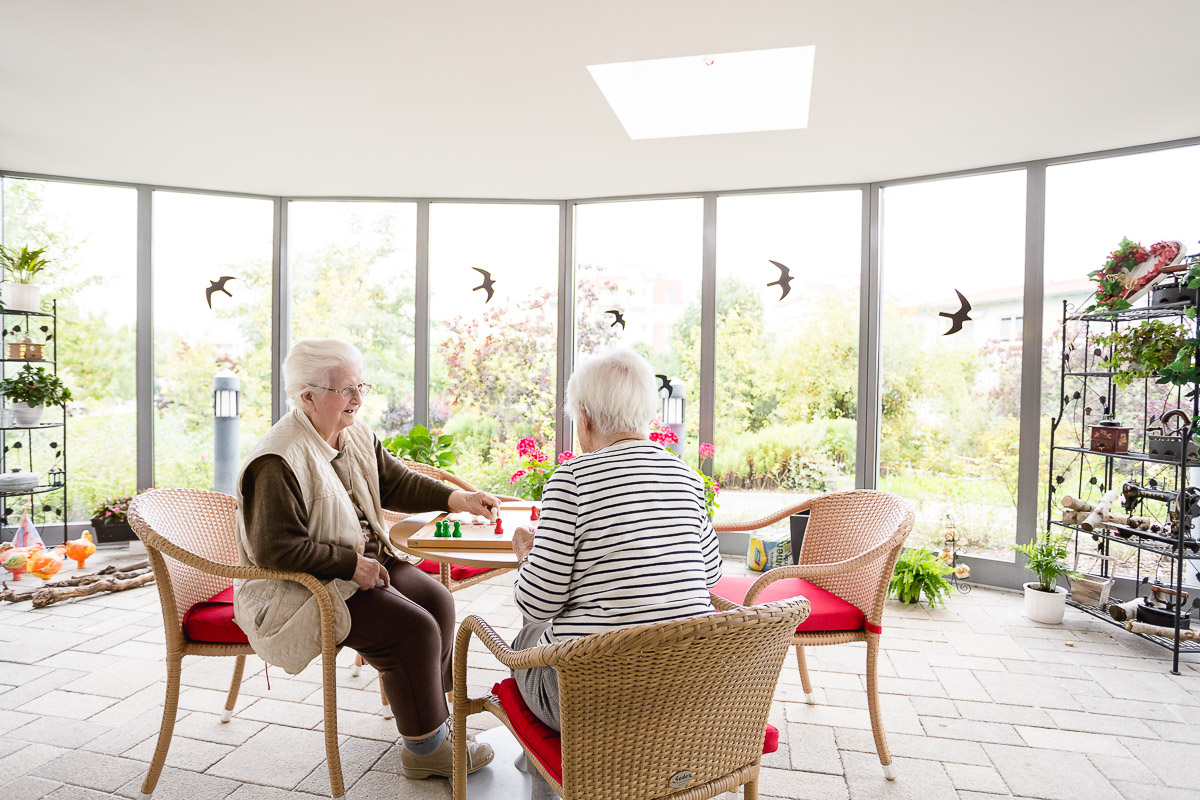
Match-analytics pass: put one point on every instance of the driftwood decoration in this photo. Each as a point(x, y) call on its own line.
point(117, 582)
point(111, 574)
point(1101, 511)
point(1157, 630)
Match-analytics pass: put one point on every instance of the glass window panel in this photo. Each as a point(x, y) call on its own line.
point(90, 236)
point(787, 365)
point(492, 361)
point(353, 272)
point(1090, 207)
point(199, 239)
point(951, 402)
point(643, 259)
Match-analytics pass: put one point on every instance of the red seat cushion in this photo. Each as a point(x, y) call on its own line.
point(827, 611)
point(546, 743)
point(212, 621)
point(458, 572)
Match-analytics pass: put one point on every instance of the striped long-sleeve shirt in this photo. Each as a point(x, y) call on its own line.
point(623, 540)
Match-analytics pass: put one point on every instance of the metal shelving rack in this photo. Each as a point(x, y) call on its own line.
point(17, 441)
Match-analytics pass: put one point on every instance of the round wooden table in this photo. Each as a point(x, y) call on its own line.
point(493, 559)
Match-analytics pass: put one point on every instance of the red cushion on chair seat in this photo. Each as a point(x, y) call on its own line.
point(828, 612)
point(546, 743)
point(458, 572)
point(212, 621)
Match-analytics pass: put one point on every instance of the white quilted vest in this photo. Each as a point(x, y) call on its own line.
point(280, 618)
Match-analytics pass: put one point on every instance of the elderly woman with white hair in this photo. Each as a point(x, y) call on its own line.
point(310, 499)
point(623, 539)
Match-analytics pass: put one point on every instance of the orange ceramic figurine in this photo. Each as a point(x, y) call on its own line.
point(13, 559)
point(79, 549)
point(45, 564)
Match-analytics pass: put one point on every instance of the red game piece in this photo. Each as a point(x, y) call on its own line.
point(499, 527)
point(534, 514)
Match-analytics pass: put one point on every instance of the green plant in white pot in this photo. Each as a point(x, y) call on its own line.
point(30, 391)
point(1045, 600)
point(22, 267)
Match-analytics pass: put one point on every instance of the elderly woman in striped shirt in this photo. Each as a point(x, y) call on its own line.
point(623, 538)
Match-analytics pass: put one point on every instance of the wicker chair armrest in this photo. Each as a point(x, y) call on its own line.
point(861, 560)
point(762, 522)
point(541, 656)
point(231, 571)
point(722, 604)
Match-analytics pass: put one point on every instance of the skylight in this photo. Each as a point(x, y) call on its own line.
point(757, 90)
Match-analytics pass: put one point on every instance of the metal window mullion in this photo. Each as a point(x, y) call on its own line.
point(563, 432)
point(281, 306)
point(421, 341)
point(144, 337)
point(708, 322)
point(870, 411)
point(1029, 460)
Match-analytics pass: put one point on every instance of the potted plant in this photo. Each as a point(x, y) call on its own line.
point(1144, 351)
point(110, 522)
point(30, 391)
point(1045, 600)
point(920, 572)
point(22, 266)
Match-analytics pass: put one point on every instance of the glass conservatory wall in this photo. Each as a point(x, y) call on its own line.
point(786, 355)
point(353, 276)
point(198, 239)
point(642, 258)
point(90, 236)
point(951, 400)
point(1090, 205)
point(492, 354)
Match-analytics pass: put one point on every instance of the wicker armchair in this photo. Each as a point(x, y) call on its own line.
point(850, 549)
point(674, 708)
point(189, 537)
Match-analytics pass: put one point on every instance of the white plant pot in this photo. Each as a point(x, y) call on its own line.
point(24, 416)
point(21, 296)
point(1045, 607)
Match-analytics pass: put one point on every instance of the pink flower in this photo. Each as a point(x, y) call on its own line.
point(538, 456)
point(669, 436)
point(716, 487)
point(707, 450)
point(526, 446)
point(565, 456)
point(516, 476)
point(657, 436)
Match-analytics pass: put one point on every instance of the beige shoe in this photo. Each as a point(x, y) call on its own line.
point(441, 761)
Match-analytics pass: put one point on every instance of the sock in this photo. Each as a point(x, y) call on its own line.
point(424, 747)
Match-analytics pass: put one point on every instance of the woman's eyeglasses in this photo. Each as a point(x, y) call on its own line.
point(362, 390)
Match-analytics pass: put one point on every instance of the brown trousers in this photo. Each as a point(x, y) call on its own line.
point(406, 632)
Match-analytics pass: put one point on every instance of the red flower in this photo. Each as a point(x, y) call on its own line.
point(526, 446)
point(516, 476)
point(565, 456)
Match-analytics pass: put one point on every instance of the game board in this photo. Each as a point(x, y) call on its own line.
point(475, 535)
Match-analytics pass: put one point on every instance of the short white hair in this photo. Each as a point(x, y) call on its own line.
point(617, 391)
point(310, 362)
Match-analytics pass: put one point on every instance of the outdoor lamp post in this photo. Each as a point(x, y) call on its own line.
point(226, 391)
point(674, 404)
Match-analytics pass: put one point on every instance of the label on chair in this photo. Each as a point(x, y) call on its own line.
point(680, 779)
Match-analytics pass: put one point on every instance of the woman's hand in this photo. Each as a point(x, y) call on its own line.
point(522, 541)
point(369, 572)
point(480, 503)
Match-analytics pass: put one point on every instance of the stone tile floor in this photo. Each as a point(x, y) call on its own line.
point(978, 701)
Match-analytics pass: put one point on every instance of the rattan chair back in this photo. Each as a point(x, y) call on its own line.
point(847, 524)
point(200, 522)
point(651, 710)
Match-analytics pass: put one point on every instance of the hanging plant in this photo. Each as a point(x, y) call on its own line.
point(1143, 351)
point(1114, 279)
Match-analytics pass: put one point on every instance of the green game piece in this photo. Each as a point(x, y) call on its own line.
point(457, 530)
point(439, 531)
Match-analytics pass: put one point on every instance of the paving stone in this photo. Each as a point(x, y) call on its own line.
point(969, 777)
point(1012, 715)
point(1073, 741)
point(275, 756)
point(51, 730)
point(357, 755)
point(189, 754)
point(1049, 774)
point(1095, 701)
point(814, 749)
point(961, 684)
point(368, 726)
point(131, 732)
point(801, 785)
point(28, 787)
point(72, 705)
point(971, 730)
point(1167, 760)
point(297, 715)
point(93, 770)
point(68, 792)
point(31, 691)
point(10, 720)
point(1104, 723)
point(179, 784)
point(1150, 687)
point(149, 699)
point(934, 706)
point(383, 786)
point(250, 791)
point(1034, 690)
point(1137, 791)
point(28, 759)
point(918, 780)
point(209, 728)
point(1129, 770)
point(985, 645)
point(120, 678)
point(905, 745)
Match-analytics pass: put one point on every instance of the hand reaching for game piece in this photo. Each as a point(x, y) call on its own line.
point(522, 540)
point(481, 503)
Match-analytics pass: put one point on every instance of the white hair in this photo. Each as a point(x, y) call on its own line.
point(310, 362)
point(617, 391)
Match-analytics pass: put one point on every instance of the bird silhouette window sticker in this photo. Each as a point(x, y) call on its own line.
point(218, 286)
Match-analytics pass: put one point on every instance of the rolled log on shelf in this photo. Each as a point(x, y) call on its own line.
point(1074, 517)
point(1124, 612)
point(1157, 630)
point(109, 583)
point(1075, 504)
point(1096, 517)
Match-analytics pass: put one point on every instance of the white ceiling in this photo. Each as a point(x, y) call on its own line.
point(449, 98)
